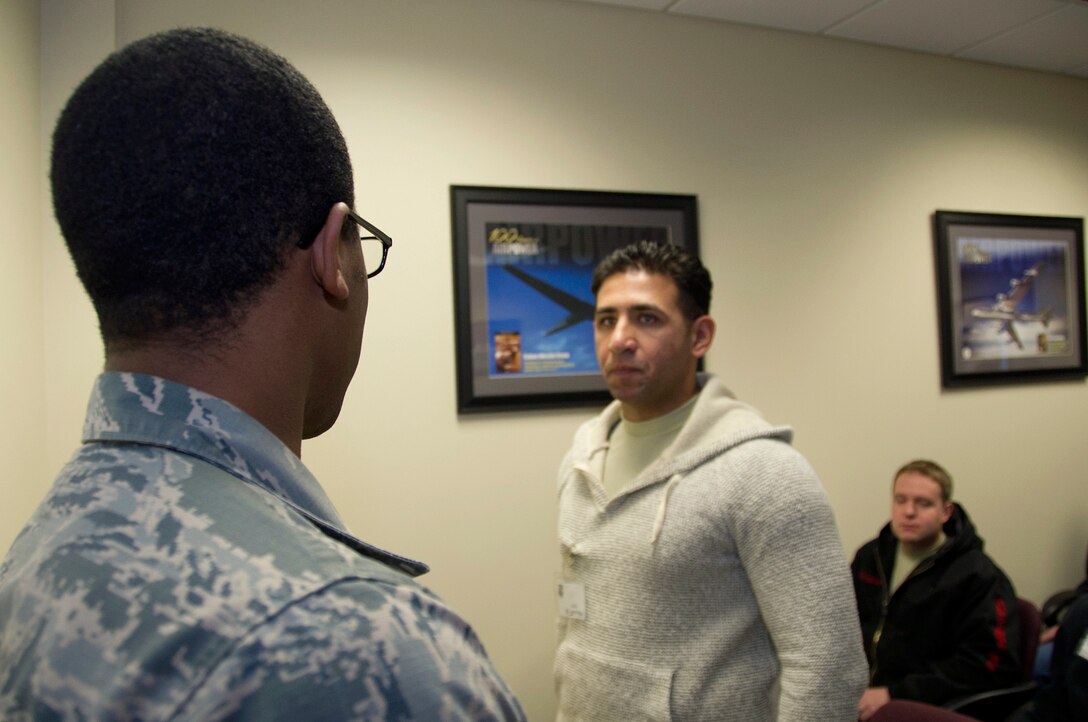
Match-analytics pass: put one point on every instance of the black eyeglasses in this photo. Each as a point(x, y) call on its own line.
point(372, 257)
point(370, 251)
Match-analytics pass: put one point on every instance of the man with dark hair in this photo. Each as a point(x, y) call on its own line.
point(937, 615)
point(702, 573)
point(185, 563)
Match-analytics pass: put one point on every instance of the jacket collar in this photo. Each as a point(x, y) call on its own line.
point(142, 409)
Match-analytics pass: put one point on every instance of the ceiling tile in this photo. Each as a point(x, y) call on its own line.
point(805, 16)
point(1050, 35)
point(939, 26)
point(1056, 42)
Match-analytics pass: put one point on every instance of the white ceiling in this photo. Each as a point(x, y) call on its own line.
point(1046, 35)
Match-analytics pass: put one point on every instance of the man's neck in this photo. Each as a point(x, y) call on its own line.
point(228, 376)
point(639, 413)
point(918, 550)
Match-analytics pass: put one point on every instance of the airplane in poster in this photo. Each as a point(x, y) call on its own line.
point(577, 309)
point(1004, 307)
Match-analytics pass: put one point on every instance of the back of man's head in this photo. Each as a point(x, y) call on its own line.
point(686, 270)
point(184, 168)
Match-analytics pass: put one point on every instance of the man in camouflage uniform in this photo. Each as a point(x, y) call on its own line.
point(185, 564)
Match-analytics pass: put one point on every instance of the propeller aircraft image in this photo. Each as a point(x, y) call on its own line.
point(1004, 307)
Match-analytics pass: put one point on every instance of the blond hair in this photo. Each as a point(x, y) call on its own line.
point(931, 470)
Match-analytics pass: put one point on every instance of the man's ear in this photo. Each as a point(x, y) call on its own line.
point(702, 334)
point(325, 254)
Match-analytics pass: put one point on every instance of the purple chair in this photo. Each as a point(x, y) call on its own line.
point(993, 706)
point(904, 710)
point(998, 704)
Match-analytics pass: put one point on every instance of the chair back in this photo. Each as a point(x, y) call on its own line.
point(1031, 622)
point(998, 704)
point(905, 710)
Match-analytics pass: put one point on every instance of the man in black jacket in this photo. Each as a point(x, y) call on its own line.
point(938, 617)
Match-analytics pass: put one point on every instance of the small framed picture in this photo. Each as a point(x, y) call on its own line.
point(1011, 298)
point(523, 263)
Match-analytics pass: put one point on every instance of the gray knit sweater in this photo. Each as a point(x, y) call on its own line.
point(715, 583)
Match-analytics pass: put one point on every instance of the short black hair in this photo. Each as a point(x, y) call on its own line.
point(183, 169)
point(666, 259)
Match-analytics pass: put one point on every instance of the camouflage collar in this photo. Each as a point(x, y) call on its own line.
point(141, 409)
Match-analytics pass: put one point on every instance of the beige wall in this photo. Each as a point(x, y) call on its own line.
point(817, 164)
point(22, 427)
point(76, 36)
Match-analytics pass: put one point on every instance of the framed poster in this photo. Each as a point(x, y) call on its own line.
point(523, 261)
point(1010, 292)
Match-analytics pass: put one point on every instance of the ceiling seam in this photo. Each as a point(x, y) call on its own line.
point(851, 16)
point(1009, 31)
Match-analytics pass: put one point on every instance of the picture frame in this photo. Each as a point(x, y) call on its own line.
point(523, 261)
point(1011, 298)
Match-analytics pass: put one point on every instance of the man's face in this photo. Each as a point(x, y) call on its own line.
point(645, 346)
point(918, 512)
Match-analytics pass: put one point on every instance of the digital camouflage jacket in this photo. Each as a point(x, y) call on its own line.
point(186, 566)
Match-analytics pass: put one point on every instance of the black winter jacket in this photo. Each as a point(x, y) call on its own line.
point(950, 630)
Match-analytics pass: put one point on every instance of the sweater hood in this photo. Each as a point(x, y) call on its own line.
point(718, 423)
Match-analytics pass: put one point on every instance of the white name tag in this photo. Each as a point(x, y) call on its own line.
point(1083, 647)
point(572, 600)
